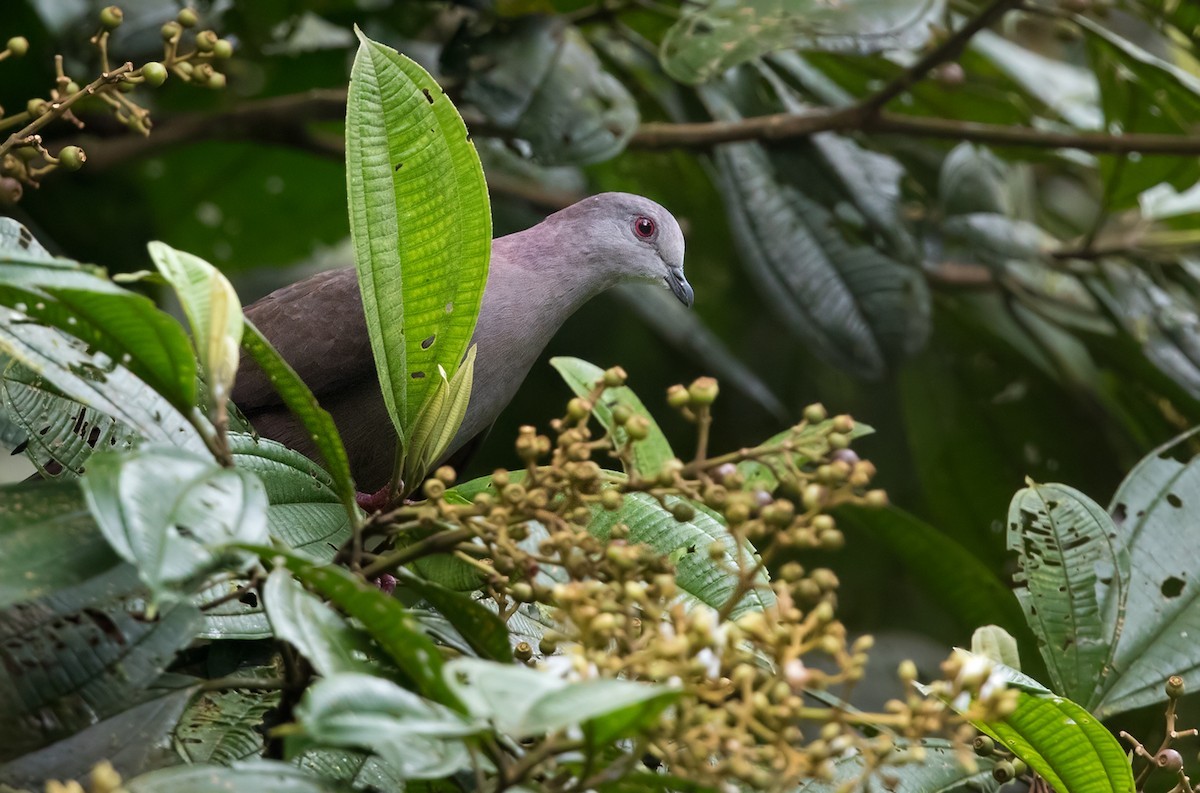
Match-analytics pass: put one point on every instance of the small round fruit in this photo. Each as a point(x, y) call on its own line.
point(111, 17)
point(223, 49)
point(71, 158)
point(18, 46)
point(171, 30)
point(188, 18)
point(206, 40)
point(154, 73)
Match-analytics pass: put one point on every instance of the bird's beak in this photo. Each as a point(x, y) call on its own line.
point(680, 286)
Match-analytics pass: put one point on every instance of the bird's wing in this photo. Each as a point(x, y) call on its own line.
point(319, 328)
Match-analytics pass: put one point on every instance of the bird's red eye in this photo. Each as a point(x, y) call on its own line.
point(643, 227)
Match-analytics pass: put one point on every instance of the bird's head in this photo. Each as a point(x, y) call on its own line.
point(626, 237)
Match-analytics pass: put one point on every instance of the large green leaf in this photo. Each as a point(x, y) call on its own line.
point(92, 378)
point(1072, 584)
point(115, 652)
point(650, 453)
point(420, 223)
point(483, 630)
point(717, 34)
point(212, 308)
point(48, 541)
point(961, 584)
point(543, 83)
point(133, 741)
point(306, 512)
point(941, 771)
point(303, 405)
point(1154, 510)
point(57, 430)
point(362, 770)
point(853, 303)
point(173, 513)
point(418, 738)
point(1058, 739)
point(252, 776)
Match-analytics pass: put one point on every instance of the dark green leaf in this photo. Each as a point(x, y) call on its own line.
point(718, 34)
point(318, 632)
point(940, 771)
point(482, 629)
point(223, 727)
point(116, 652)
point(254, 776)
point(48, 541)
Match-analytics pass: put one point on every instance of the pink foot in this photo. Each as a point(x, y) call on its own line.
point(374, 502)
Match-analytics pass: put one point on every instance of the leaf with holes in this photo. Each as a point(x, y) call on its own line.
point(1072, 584)
point(1154, 510)
point(174, 514)
point(224, 726)
point(420, 224)
point(116, 652)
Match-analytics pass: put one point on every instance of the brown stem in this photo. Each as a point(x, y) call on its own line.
point(57, 109)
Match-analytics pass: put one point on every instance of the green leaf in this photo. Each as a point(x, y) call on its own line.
point(418, 738)
point(710, 582)
point(972, 179)
point(252, 776)
point(224, 727)
point(992, 641)
point(212, 308)
point(48, 541)
point(240, 618)
point(851, 302)
point(57, 429)
point(361, 770)
point(808, 443)
point(649, 454)
point(940, 771)
point(958, 581)
point(116, 652)
point(717, 34)
point(314, 629)
point(390, 624)
point(1154, 510)
point(420, 224)
point(524, 702)
point(546, 86)
point(133, 740)
point(91, 378)
point(305, 511)
point(1059, 740)
point(483, 630)
point(1072, 584)
point(173, 513)
point(300, 400)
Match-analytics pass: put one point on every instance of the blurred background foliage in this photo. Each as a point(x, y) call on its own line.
point(975, 227)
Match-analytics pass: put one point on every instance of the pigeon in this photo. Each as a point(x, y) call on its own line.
point(537, 279)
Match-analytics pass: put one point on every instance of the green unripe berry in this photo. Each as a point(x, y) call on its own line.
point(154, 73)
point(206, 40)
point(187, 18)
point(578, 409)
point(37, 107)
point(677, 396)
point(521, 592)
point(185, 68)
point(523, 652)
point(27, 153)
point(638, 428)
point(815, 413)
point(843, 424)
point(171, 30)
point(1004, 771)
point(71, 158)
point(611, 499)
point(838, 440)
point(215, 81)
point(111, 17)
point(1175, 688)
point(446, 474)
point(908, 673)
point(683, 511)
point(703, 391)
point(621, 415)
point(222, 50)
point(983, 745)
point(877, 498)
point(18, 46)
point(435, 488)
point(615, 377)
